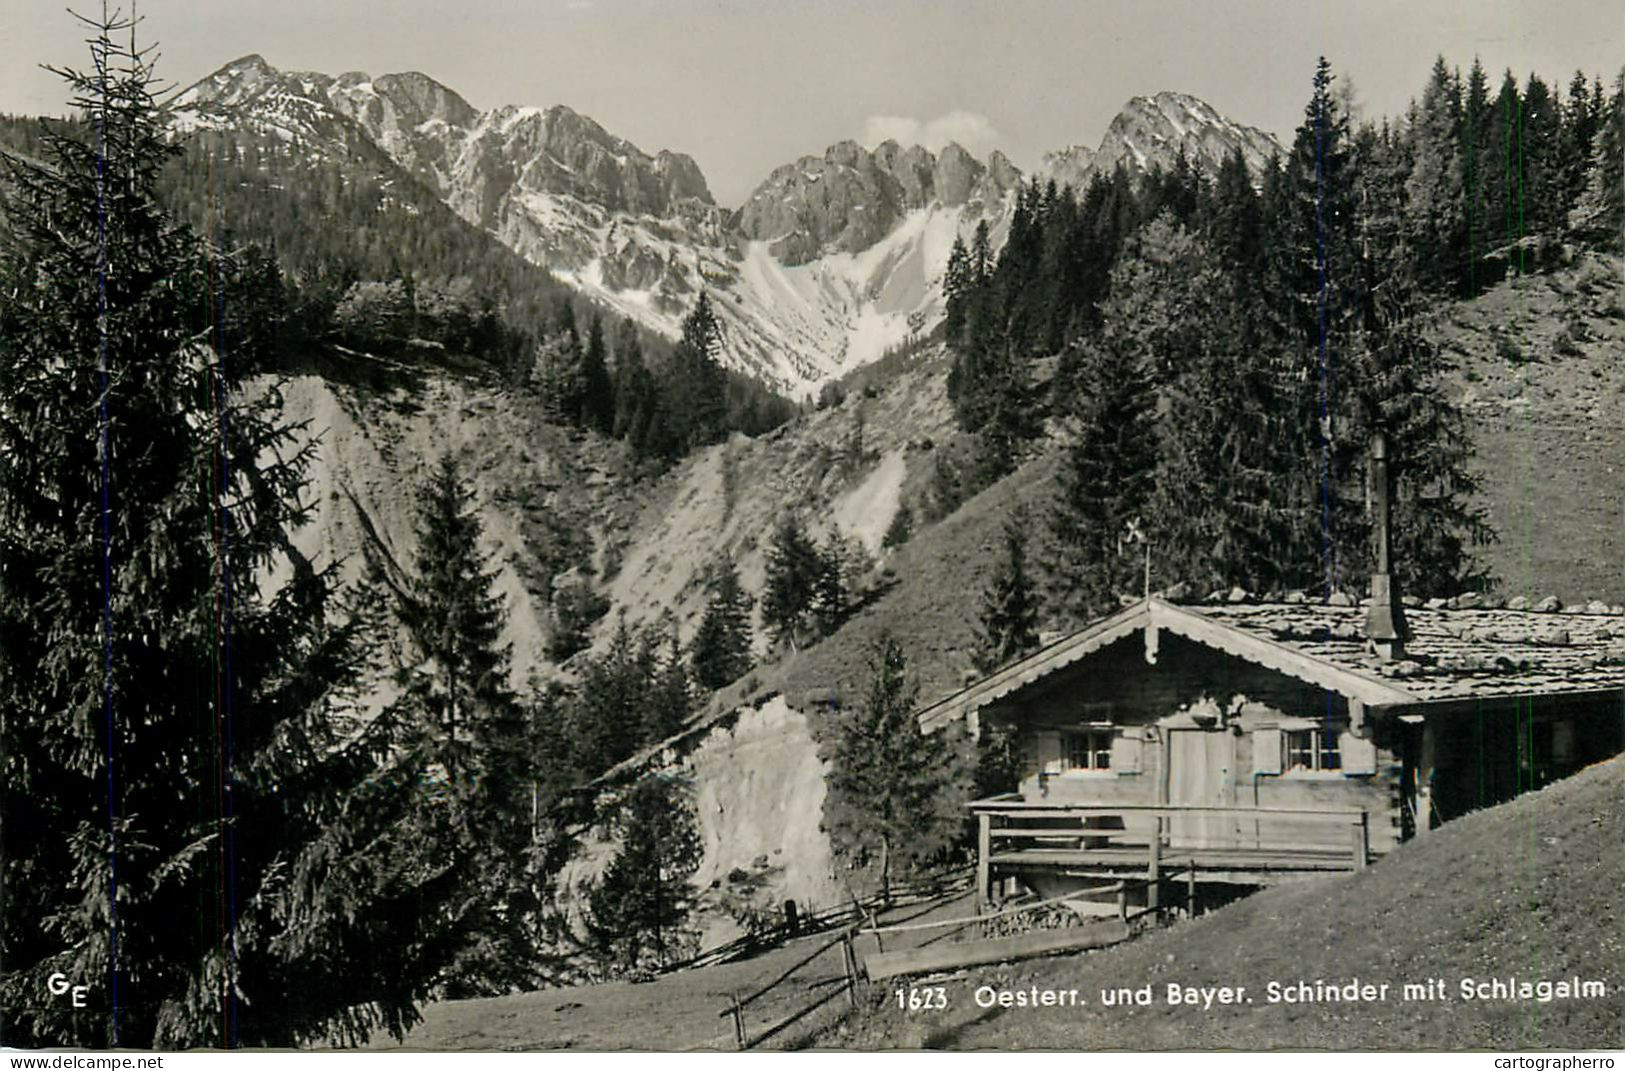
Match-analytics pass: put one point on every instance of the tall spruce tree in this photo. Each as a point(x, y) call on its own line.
point(460, 669)
point(1599, 215)
point(1010, 603)
point(721, 650)
point(1105, 481)
point(1317, 254)
point(1434, 206)
point(454, 688)
point(831, 593)
point(671, 691)
point(1579, 135)
point(597, 392)
point(1478, 163)
point(638, 912)
point(896, 794)
point(195, 828)
point(790, 590)
point(696, 386)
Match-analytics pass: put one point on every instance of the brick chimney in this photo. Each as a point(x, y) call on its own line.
point(1385, 628)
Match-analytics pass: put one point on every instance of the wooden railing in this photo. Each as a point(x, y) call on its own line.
point(845, 983)
point(809, 921)
point(1122, 830)
point(926, 893)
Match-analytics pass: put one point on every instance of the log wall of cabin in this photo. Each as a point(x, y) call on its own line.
point(1148, 700)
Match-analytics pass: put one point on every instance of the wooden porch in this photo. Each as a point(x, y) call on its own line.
point(1058, 841)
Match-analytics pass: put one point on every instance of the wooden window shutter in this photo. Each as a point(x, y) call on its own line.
point(1126, 752)
point(1359, 756)
point(1267, 751)
point(1047, 756)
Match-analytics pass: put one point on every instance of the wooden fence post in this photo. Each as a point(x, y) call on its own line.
point(1153, 872)
point(849, 959)
point(739, 1022)
point(1361, 841)
point(984, 844)
point(1190, 890)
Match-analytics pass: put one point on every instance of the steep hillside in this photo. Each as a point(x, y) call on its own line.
point(548, 502)
point(1531, 896)
point(1541, 380)
point(1544, 393)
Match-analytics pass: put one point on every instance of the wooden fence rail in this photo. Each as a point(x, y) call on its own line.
point(901, 894)
point(847, 982)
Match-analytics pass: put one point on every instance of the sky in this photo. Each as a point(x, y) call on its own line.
point(746, 86)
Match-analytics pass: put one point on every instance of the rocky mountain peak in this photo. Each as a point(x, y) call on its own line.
point(1152, 130)
point(559, 151)
point(426, 99)
point(850, 198)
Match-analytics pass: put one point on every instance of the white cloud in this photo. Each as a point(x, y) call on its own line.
point(971, 130)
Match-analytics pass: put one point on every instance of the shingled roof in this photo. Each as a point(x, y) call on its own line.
point(1451, 655)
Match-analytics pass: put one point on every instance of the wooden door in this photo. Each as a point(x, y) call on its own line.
point(1201, 772)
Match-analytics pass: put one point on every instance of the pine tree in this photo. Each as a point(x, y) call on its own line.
point(696, 385)
point(638, 913)
point(956, 284)
point(606, 723)
point(1234, 229)
point(790, 589)
point(1434, 206)
point(1317, 252)
point(1010, 603)
point(597, 393)
point(460, 668)
point(1599, 215)
point(896, 795)
point(1579, 137)
point(721, 653)
point(194, 827)
point(831, 594)
point(1478, 162)
point(1504, 181)
point(1105, 482)
point(556, 376)
point(1541, 150)
point(671, 692)
point(1399, 391)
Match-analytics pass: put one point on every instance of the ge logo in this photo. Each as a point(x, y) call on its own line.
point(58, 985)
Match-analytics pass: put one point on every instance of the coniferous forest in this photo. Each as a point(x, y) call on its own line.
point(1217, 349)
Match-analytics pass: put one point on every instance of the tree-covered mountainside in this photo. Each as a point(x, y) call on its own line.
point(1228, 345)
point(353, 250)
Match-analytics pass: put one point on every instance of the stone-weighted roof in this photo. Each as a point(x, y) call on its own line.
point(1453, 653)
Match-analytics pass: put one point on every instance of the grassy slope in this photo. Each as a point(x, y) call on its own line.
point(1550, 431)
point(1530, 889)
point(672, 1012)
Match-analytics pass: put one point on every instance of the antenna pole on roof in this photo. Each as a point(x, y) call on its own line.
point(1135, 534)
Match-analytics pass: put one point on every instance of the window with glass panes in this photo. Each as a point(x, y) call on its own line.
point(1312, 749)
point(1088, 749)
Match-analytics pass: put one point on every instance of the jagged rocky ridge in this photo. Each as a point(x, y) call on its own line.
point(829, 262)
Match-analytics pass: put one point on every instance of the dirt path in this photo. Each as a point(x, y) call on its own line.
point(674, 1012)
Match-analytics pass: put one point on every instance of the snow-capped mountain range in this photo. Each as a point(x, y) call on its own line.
point(832, 260)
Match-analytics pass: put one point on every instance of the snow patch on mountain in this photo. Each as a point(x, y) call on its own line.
point(831, 261)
